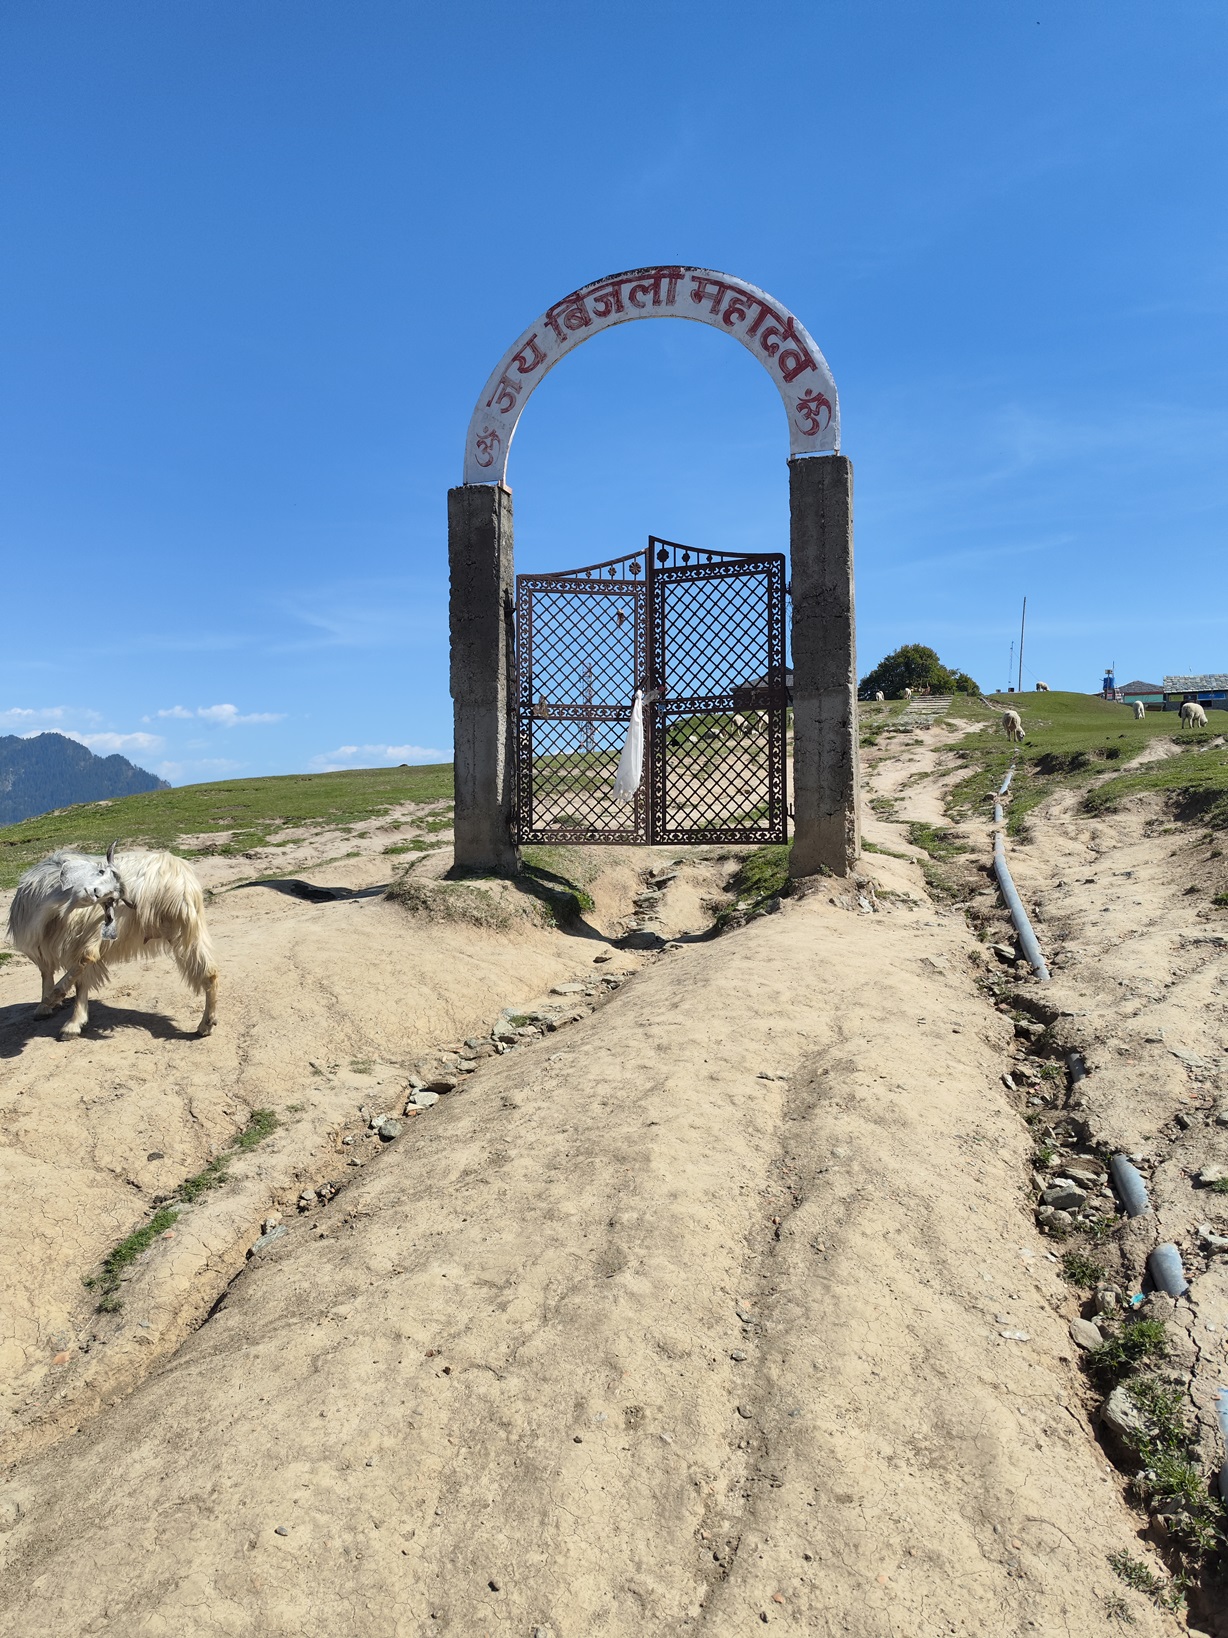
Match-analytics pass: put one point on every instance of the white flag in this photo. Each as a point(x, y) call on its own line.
point(631, 762)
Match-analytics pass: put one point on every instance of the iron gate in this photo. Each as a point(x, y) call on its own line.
point(703, 635)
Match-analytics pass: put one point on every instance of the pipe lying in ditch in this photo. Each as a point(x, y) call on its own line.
point(1010, 892)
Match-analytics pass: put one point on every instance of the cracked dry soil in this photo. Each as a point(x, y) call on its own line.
point(723, 1308)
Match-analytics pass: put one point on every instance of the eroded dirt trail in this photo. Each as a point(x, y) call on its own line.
point(725, 1307)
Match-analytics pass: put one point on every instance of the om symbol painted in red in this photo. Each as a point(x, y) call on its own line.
point(814, 411)
point(487, 442)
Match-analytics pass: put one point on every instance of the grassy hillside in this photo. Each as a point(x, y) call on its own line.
point(1076, 739)
point(242, 813)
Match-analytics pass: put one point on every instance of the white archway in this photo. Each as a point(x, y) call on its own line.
point(765, 328)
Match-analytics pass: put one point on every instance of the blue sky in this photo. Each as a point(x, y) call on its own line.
point(258, 259)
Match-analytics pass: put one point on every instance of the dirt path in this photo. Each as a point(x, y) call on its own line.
point(722, 1308)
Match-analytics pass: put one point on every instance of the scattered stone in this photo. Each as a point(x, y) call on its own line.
point(1063, 1194)
point(745, 1412)
point(1057, 1222)
point(1107, 1299)
point(1122, 1416)
point(281, 1530)
point(307, 1200)
point(441, 1084)
point(743, 1313)
point(1084, 1334)
point(1015, 1336)
point(422, 1100)
point(1221, 1115)
point(155, 1154)
point(1212, 1174)
point(388, 1129)
point(641, 938)
point(266, 1240)
point(567, 989)
point(1086, 1172)
point(738, 1354)
point(606, 957)
point(1213, 1241)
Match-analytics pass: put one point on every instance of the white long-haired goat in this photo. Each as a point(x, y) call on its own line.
point(79, 914)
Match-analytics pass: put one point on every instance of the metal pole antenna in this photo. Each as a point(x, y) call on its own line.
point(1022, 624)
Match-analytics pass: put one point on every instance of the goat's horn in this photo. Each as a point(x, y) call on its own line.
point(111, 851)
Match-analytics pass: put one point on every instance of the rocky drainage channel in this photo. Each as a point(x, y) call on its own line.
point(1153, 1328)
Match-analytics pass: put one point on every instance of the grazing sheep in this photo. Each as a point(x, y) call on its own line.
point(138, 904)
point(1012, 725)
point(907, 694)
point(1193, 715)
point(1042, 688)
point(1140, 711)
point(880, 696)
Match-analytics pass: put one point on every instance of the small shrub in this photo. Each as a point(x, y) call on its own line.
point(1082, 1270)
point(1138, 1575)
point(1138, 1341)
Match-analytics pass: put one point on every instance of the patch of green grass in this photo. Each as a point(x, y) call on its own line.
point(6, 955)
point(1220, 1186)
point(1081, 1269)
point(761, 878)
point(1220, 899)
point(107, 1281)
point(873, 847)
point(1071, 739)
point(1195, 783)
point(466, 903)
point(1138, 1575)
point(936, 840)
point(1138, 1342)
point(261, 1123)
point(558, 878)
point(251, 809)
point(415, 846)
point(361, 1066)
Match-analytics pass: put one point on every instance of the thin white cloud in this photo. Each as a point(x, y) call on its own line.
point(109, 743)
point(227, 716)
point(327, 761)
point(209, 767)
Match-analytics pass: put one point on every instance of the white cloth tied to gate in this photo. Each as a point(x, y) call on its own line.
point(631, 762)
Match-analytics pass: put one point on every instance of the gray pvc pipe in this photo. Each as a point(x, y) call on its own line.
point(1131, 1190)
point(1076, 1066)
point(1221, 1411)
point(1164, 1266)
point(1031, 947)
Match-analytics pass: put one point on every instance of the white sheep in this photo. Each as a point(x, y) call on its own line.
point(1140, 711)
point(907, 694)
point(1193, 715)
point(880, 696)
point(1042, 688)
point(1012, 725)
point(137, 905)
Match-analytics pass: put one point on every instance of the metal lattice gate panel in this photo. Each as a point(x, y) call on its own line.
point(717, 752)
point(703, 634)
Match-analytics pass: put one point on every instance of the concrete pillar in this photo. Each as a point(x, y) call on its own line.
point(825, 761)
point(483, 675)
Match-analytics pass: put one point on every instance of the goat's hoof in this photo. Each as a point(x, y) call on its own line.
point(205, 1027)
point(68, 1033)
point(44, 1012)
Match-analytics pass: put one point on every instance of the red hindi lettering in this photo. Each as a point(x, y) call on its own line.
point(526, 366)
point(608, 300)
point(506, 392)
point(711, 291)
point(651, 286)
point(572, 313)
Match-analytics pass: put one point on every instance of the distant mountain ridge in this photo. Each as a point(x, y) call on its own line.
point(52, 771)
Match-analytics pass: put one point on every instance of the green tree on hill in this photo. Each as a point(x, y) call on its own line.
point(919, 668)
